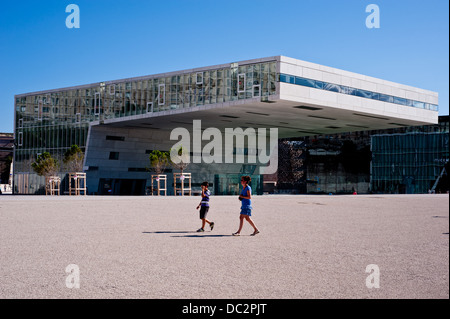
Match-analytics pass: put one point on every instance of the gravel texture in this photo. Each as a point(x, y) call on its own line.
point(148, 247)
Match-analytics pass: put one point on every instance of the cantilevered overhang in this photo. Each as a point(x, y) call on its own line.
point(294, 117)
point(301, 111)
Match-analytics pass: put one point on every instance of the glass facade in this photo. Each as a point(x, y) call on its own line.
point(408, 163)
point(230, 184)
point(409, 159)
point(52, 121)
point(356, 92)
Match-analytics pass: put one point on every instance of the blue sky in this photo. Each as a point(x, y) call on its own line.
point(125, 38)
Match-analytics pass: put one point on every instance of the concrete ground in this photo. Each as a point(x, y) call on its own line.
point(147, 247)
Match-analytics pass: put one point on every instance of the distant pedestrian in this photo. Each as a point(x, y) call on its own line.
point(246, 206)
point(204, 207)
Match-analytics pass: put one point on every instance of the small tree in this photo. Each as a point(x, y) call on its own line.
point(73, 159)
point(178, 159)
point(45, 165)
point(158, 161)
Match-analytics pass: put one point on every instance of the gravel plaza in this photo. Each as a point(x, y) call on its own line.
point(310, 247)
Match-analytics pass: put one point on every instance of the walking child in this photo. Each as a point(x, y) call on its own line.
point(204, 204)
point(246, 206)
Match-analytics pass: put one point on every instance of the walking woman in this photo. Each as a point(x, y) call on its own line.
point(246, 206)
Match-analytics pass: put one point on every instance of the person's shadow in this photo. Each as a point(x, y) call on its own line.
point(194, 234)
point(168, 232)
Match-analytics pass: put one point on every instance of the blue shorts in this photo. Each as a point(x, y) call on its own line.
point(246, 211)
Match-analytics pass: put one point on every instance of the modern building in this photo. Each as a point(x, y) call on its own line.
point(118, 123)
point(6, 155)
point(411, 162)
point(410, 159)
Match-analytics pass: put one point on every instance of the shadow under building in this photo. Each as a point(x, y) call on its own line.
point(403, 160)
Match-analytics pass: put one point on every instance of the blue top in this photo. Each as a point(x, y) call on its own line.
point(246, 203)
point(205, 198)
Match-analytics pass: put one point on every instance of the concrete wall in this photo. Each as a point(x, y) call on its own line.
point(342, 101)
point(132, 154)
